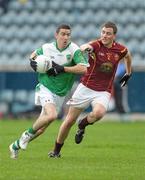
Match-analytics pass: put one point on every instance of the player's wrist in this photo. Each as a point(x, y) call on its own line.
point(33, 57)
point(128, 75)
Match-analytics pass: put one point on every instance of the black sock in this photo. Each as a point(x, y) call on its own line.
point(84, 122)
point(57, 147)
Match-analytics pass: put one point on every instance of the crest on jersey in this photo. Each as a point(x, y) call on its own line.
point(106, 67)
point(68, 57)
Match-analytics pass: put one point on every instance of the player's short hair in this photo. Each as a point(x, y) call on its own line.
point(63, 26)
point(110, 24)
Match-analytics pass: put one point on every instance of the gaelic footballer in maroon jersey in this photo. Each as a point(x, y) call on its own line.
point(103, 64)
point(95, 87)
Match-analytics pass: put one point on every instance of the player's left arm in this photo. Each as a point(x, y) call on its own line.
point(77, 69)
point(81, 62)
point(127, 75)
point(128, 61)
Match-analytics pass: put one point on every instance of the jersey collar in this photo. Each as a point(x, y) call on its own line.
point(60, 50)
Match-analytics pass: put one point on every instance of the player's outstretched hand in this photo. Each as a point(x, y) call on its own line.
point(55, 70)
point(33, 65)
point(123, 81)
point(86, 47)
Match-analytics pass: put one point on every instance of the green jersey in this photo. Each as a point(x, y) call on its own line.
point(69, 56)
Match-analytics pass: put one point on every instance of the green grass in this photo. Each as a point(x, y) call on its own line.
point(109, 151)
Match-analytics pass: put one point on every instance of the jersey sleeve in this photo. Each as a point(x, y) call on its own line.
point(95, 45)
point(39, 51)
point(123, 52)
point(79, 58)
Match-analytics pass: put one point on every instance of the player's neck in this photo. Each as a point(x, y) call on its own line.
point(108, 45)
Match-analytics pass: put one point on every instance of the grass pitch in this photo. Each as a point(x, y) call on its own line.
point(109, 151)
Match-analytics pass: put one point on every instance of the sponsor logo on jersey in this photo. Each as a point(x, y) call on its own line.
point(52, 57)
point(60, 55)
point(101, 54)
point(112, 57)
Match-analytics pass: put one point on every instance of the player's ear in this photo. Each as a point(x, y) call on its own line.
point(55, 35)
point(114, 36)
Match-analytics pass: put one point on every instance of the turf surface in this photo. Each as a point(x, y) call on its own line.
point(109, 151)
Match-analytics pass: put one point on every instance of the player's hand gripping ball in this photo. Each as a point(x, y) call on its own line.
point(41, 64)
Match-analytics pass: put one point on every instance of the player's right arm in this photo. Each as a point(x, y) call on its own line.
point(35, 53)
point(86, 47)
point(33, 56)
point(91, 46)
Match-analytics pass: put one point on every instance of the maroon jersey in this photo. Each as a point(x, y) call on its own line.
point(103, 64)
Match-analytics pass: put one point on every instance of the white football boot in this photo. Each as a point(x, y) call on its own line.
point(24, 139)
point(13, 153)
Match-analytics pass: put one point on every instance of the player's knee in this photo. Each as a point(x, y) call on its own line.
point(98, 114)
point(51, 117)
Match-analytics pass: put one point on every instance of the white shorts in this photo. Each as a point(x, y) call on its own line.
point(44, 96)
point(83, 97)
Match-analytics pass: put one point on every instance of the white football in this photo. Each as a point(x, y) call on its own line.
point(44, 63)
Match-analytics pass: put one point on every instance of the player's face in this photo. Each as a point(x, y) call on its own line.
point(107, 36)
point(63, 38)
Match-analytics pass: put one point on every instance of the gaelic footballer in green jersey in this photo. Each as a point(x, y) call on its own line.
point(67, 61)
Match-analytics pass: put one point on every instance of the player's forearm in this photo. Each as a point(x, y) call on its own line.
point(86, 47)
point(78, 69)
point(128, 60)
point(128, 69)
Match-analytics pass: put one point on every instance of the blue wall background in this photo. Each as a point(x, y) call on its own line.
point(28, 80)
point(18, 80)
point(136, 92)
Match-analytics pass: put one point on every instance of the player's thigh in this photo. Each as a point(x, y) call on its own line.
point(101, 99)
point(73, 114)
point(50, 109)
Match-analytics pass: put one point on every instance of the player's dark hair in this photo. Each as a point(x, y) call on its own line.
point(112, 25)
point(63, 26)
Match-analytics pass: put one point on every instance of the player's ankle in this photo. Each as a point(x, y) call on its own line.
point(57, 147)
point(83, 123)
